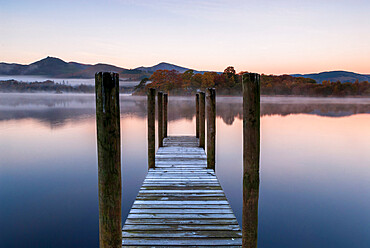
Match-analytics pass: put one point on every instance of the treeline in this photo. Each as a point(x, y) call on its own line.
point(230, 83)
point(49, 86)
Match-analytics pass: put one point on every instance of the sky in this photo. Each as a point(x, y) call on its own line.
point(263, 36)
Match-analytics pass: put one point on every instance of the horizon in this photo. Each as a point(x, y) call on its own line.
point(123, 67)
point(288, 38)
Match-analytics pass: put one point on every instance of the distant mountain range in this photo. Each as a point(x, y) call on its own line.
point(57, 68)
point(333, 76)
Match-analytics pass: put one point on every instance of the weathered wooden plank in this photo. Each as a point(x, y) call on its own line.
point(165, 202)
point(169, 206)
point(150, 193)
point(182, 170)
point(181, 211)
point(180, 198)
point(180, 227)
point(183, 162)
point(180, 246)
point(180, 191)
point(181, 234)
point(178, 241)
point(181, 216)
point(181, 155)
point(183, 221)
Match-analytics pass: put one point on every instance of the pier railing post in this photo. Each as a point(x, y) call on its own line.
point(197, 115)
point(251, 152)
point(165, 116)
point(202, 135)
point(160, 118)
point(109, 158)
point(211, 128)
point(151, 128)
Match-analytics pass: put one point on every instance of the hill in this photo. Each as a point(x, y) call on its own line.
point(57, 68)
point(162, 66)
point(48, 66)
point(334, 76)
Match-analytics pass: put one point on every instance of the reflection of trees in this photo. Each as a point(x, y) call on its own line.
point(56, 110)
point(334, 110)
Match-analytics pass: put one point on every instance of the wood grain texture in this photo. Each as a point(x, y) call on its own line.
point(109, 158)
point(165, 115)
point(211, 128)
point(251, 153)
point(197, 115)
point(181, 203)
point(160, 118)
point(151, 128)
point(202, 117)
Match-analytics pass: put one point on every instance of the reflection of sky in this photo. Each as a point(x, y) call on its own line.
point(314, 178)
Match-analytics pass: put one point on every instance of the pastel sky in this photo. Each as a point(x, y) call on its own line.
point(265, 36)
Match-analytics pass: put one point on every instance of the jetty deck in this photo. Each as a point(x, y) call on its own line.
point(181, 202)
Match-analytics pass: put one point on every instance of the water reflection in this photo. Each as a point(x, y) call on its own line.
point(57, 110)
point(314, 167)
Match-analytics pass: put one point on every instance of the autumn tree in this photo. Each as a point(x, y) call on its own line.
point(166, 80)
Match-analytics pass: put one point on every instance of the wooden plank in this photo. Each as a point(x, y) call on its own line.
point(182, 221)
point(175, 206)
point(180, 191)
point(176, 242)
point(180, 227)
point(181, 216)
point(181, 211)
point(181, 234)
point(165, 202)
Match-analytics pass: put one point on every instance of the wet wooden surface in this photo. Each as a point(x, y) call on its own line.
point(181, 202)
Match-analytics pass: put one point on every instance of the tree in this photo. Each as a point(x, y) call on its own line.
point(229, 71)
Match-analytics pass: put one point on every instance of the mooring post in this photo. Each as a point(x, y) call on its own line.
point(211, 128)
point(202, 125)
point(197, 115)
point(165, 117)
point(109, 158)
point(251, 152)
point(151, 128)
point(160, 118)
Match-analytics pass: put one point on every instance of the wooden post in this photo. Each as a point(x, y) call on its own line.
point(211, 128)
point(160, 118)
point(197, 115)
point(202, 135)
point(165, 117)
point(251, 152)
point(151, 128)
point(109, 158)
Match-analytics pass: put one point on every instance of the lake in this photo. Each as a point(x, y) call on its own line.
point(315, 167)
point(68, 81)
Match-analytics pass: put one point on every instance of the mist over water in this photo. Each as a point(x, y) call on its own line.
point(314, 171)
point(68, 81)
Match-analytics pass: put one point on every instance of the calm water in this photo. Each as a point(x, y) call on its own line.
point(69, 81)
point(315, 167)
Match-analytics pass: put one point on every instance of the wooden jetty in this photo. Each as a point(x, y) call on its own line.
point(181, 202)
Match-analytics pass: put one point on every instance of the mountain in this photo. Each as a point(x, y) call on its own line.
point(333, 76)
point(57, 68)
point(47, 67)
point(162, 66)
